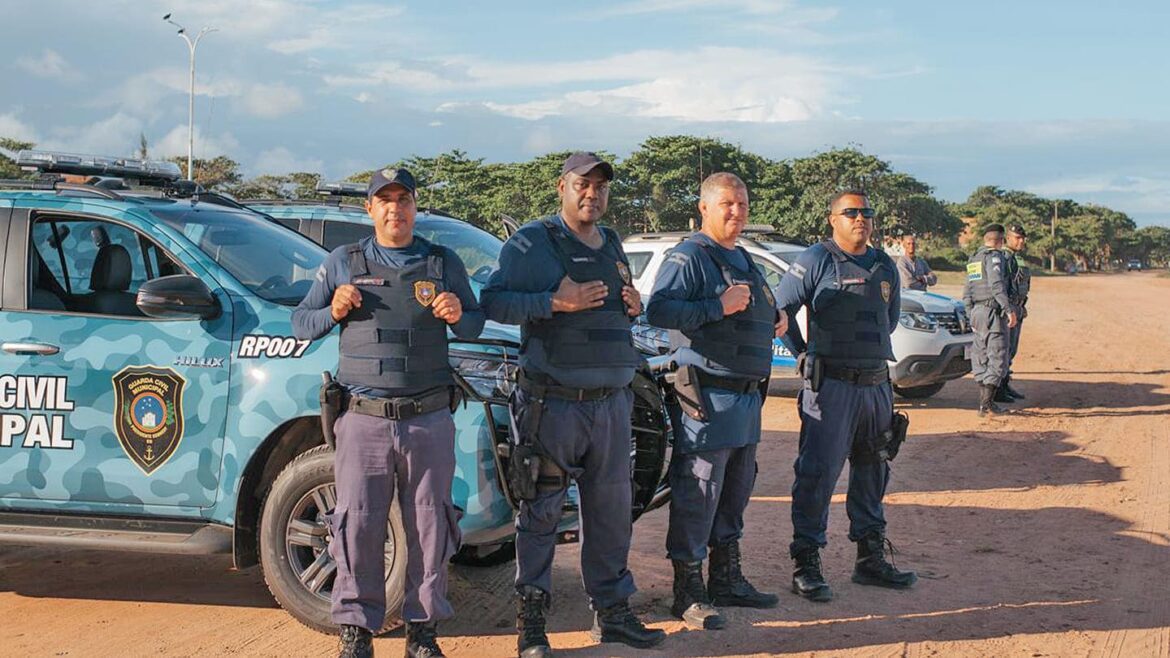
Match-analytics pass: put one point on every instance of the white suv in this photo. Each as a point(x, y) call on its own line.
point(932, 343)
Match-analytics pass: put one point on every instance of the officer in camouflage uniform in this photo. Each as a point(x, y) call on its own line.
point(987, 296)
point(1020, 276)
point(724, 318)
point(846, 405)
point(394, 295)
point(566, 281)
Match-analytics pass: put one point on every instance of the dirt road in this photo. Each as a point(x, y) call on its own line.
point(1045, 534)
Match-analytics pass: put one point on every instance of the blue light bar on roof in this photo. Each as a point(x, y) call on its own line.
point(97, 165)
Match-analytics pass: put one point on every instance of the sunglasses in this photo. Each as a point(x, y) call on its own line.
point(852, 213)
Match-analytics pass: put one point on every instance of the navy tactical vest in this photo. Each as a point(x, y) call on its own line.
point(851, 320)
point(978, 273)
point(740, 342)
point(393, 340)
point(598, 337)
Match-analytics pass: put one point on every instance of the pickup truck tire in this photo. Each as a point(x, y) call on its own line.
point(294, 542)
point(918, 392)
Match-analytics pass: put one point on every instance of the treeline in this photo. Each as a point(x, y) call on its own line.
point(657, 190)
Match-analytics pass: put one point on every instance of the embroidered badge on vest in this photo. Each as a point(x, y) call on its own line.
point(424, 292)
point(623, 272)
point(886, 291)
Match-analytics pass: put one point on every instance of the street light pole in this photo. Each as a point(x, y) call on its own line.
point(192, 44)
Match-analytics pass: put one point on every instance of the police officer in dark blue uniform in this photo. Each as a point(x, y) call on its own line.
point(851, 292)
point(395, 295)
point(1020, 278)
point(987, 295)
point(723, 317)
point(565, 279)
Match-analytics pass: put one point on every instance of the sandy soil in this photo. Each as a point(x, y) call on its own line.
point(1045, 534)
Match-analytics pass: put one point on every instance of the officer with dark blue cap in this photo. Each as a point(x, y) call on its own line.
point(566, 281)
point(846, 404)
point(987, 296)
point(1020, 280)
point(723, 318)
point(395, 296)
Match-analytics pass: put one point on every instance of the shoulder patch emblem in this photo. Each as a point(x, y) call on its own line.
point(797, 270)
point(521, 242)
point(148, 414)
point(624, 272)
point(974, 271)
point(425, 292)
point(886, 289)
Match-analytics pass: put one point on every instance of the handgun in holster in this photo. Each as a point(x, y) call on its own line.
point(689, 392)
point(895, 436)
point(530, 471)
point(811, 368)
point(332, 397)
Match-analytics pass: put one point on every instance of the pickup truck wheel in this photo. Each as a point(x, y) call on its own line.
point(918, 392)
point(294, 544)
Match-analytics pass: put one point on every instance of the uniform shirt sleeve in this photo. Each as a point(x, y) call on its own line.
point(313, 317)
point(521, 290)
point(455, 279)
point(895, 307)
point(797, 289)
point(680, 299)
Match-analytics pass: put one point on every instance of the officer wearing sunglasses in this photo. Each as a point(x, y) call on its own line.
point(852, 295)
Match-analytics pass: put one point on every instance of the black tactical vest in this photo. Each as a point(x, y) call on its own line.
point(740, 342)
point(393, 340)
point(978, 271)
point(599, 337)
point(851, 321)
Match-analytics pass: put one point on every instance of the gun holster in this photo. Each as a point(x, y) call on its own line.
point(812, 369)
point(884, 446)
point(690, 393)
point(530, 471)
point(332, 396)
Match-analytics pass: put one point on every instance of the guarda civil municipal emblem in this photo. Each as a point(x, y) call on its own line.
point(425, 292)
point(624, 272)
point(886, 288)
point(148, 414)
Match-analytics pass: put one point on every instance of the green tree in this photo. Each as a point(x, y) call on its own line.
point(218, 174)
point(8, 149)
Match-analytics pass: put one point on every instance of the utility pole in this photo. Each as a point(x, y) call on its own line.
point(192, 44)
point(1052, 251)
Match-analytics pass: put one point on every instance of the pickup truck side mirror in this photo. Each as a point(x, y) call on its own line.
point(177, 296)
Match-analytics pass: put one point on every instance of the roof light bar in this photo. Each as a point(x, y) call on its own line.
point(98, 165)
point(342, 188)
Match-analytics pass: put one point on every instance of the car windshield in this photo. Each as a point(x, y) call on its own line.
point(783, 251)
point(478, 249)
point(273, 262)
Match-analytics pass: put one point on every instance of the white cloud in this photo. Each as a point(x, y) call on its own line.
point(174, 143)
point(280, 160)
point(270, 101)
point(50, 64)
point(114, 135)
point(13, 128)
point(1141, 193)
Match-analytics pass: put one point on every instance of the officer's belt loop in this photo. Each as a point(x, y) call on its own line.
point(401, 408)
point(542, 390)
point(858, 376)
point(734, 384)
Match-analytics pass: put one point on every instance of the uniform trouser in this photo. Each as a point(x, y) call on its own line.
point(990, 352)
point(591, 441)
point(832, 421)
point(375, 456)
point(709, 491)
point(1014, 343)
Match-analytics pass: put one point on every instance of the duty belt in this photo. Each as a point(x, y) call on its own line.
point(546, 389)
point(988, 302)
point(401, 408)
point(859, 376)
point(735, 384)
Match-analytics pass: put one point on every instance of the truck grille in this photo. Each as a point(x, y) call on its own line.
point(956, 322)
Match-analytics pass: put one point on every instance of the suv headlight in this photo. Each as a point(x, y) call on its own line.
point(491, 376)
point(917, 321)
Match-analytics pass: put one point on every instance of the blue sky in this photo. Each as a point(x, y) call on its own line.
point(1059, 98)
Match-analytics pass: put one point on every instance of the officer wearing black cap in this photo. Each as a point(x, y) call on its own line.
point(566, 281)
point(987, 296)
point(395, 296)
point(723, 318)
point(1020, 277)
point(846, 405)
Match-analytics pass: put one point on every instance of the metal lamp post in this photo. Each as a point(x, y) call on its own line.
point(191, 45)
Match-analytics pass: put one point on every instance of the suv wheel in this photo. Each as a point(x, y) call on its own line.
point(918, 392)
point(294, 543)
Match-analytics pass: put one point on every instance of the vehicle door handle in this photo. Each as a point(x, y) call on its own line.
point(28, 349)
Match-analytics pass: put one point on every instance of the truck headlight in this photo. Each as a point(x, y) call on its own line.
point(917, 321)
point(490, 376)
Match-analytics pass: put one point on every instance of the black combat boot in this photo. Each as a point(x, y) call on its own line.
point(691, 603)
point(617, 623)
point(807, 580)
point(531, 604)
point(1007, 386)
point(987, 403)
point(1002, 395)
point(726, 584)
point(873, 569)
point(356, 642)
point(422, 640)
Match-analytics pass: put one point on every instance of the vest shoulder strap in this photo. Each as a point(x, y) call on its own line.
point(357, 260)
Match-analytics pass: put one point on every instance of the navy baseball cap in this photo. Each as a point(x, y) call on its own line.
point(993, 228)
point(581, 163)
point(383, 177)
point(1018, 230)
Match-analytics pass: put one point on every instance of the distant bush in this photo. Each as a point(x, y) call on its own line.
point(947, 259)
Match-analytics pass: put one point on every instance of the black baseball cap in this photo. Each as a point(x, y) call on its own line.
point(383, 177)
point(993, 228)
point(582, 162)
point(1018, 230)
